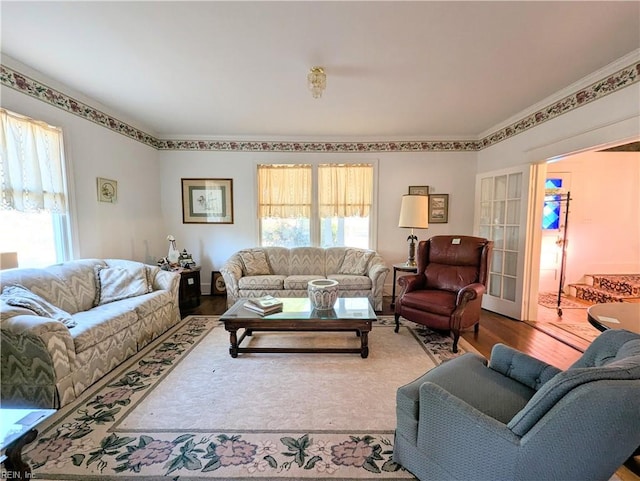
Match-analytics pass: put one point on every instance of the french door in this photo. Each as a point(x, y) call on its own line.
point(503, 214)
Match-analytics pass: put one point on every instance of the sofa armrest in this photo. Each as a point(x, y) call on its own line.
point(231, 273)
point(441, 412)
point(377, 272)
point(167, 281)
point(521, 367)
point(437, 402)
point(377, 269)
point(35, 352)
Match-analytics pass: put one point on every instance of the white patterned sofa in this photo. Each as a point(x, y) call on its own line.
point(284, 272)
point(65, 326)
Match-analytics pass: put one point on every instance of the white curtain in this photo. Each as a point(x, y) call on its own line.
point(31, 165)
point(345, 190)
point(284, 191)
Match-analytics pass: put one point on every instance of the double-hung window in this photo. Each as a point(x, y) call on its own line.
point(322, 204)
point(34, 204)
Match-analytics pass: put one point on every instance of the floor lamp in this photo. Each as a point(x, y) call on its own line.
point(414, 215)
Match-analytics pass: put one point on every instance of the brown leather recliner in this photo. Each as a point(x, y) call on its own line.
point(446, 293)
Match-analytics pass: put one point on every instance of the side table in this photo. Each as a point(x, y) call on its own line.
point(615, 315)
point(190, 287)
point(401, 268)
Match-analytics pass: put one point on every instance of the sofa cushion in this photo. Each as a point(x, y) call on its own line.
point(116, 283)
point(101, 322)
point(300, 282)
point(147, 304)
point(355, 262)
point(306, 261)
point(20, 296)
point(255, 262)
point(351, 283)
point(261, 282)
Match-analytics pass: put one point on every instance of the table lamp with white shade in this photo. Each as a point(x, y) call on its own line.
point(414, 215)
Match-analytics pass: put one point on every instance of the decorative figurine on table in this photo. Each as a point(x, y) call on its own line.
point(174, 253)
point(164, 264)
point(186, 260)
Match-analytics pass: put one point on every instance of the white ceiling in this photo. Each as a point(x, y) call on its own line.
point(445, 70)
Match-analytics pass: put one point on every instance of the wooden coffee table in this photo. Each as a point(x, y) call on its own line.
point(350, 314)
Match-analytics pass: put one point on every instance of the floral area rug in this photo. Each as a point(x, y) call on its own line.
point(145, 421)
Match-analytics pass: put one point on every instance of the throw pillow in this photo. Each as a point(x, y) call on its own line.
point(255, 263)
point(19, 296)
point(355, 262)
point(116, 283)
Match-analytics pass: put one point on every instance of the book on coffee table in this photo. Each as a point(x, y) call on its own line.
point(267, 309)
point(266, 302)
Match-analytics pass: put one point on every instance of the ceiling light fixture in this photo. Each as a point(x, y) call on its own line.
point(317, 81)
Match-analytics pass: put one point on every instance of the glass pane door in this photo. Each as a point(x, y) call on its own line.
point(500, 216)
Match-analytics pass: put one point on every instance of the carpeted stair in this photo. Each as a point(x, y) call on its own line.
point(608, 288)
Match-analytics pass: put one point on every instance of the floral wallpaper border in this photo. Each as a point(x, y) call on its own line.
point(617, 81)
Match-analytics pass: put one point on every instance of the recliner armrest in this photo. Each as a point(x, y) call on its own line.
point(411, 282)
point(521, 367)
point(469, 293)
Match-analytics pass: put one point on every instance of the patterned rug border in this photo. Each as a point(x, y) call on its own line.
point(198, 455)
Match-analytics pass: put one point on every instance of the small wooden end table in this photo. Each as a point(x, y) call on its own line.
point(401, 268)
point(190, 287)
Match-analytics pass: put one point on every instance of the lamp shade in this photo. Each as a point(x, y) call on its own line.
point(414, 211)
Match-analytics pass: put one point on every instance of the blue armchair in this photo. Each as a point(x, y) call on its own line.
point(517, 418)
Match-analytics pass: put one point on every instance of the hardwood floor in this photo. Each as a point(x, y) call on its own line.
point(494, 329)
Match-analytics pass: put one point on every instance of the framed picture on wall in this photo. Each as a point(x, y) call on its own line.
point(207, 201)
point(107, 190)
point(418, 190)
point(438, 208)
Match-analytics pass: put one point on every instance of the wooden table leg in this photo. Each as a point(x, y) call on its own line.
point(233, 346)
point(393, 292)
point(364, 344)
point(14, 463)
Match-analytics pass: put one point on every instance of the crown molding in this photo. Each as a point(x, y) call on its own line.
point(622, 78)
